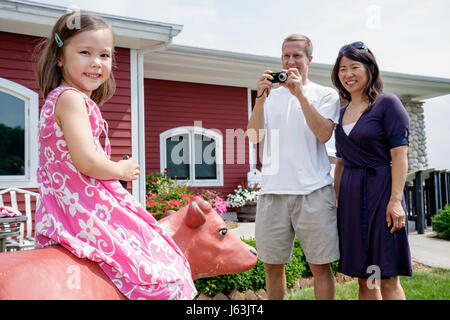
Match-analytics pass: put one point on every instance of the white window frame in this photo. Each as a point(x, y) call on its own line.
point(31, 102)
point(191, 132)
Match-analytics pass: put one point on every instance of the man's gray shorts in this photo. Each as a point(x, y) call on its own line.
point(311, 217)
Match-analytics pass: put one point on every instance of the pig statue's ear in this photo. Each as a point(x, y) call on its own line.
point(194, 216)
point(168, 213)
point(203, 204)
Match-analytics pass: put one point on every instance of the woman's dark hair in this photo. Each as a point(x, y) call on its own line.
point(374, 85)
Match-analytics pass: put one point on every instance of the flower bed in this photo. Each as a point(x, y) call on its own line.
point(165, 193)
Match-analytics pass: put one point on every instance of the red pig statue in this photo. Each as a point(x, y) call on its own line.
point(54, 273)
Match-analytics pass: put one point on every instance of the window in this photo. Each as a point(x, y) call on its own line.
point(193, 154)
point(18, 135)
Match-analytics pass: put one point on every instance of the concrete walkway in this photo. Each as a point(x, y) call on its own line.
point(429, 250)
point(425, 248)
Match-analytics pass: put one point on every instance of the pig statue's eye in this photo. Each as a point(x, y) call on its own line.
point(223, 232)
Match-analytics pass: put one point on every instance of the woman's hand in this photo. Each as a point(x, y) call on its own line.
point(130, 170)
point(338, 170)
point(395, 215)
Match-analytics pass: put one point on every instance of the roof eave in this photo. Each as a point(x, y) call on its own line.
point(186, 63)
point(37, 19)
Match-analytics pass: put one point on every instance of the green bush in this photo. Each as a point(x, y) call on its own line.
point(161, 183)
point(441, 223)
point(255, 278)
point(164, 193)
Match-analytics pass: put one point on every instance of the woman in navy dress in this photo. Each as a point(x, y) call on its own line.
point(371, 168)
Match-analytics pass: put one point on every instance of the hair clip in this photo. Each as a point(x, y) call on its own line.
point(58, 40)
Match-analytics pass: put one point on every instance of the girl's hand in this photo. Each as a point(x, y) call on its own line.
point(130, 170)
point(395, 215)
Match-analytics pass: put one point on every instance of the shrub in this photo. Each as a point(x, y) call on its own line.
point(441, 223)
point(216, 200)
point(158, 204)
point(161, 183)
point(255, 278)
point(164, 193)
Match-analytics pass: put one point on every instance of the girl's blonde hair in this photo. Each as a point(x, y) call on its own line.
point(49, 74)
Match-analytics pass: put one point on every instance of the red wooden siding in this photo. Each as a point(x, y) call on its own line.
point(17, 57)
point(117, 110)
point(16, 60)
point(170, 104)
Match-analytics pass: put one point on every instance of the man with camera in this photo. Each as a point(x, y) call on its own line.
point(293, 122)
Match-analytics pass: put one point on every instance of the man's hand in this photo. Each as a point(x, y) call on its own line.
point(264, 84)
point(294, 82)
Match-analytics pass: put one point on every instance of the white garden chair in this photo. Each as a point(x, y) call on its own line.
point(24, 241)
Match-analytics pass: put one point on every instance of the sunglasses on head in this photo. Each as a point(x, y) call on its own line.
point(357, 45)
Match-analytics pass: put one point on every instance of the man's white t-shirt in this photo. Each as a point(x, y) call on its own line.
point(294, 160)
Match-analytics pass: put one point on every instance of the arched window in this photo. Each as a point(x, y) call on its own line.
point(18, 135)
point(193, 154)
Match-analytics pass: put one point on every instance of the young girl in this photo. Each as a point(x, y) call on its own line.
point(84, 208)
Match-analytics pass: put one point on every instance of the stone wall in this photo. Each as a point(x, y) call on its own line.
point(417, 152)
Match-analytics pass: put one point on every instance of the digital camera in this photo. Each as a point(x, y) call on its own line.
point(279, 77)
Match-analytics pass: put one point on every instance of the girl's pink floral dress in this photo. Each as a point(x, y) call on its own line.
point(101, 221)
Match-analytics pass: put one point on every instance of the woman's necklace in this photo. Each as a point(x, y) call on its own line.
point(353, 113)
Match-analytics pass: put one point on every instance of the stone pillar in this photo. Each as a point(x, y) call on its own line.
point(417, 152)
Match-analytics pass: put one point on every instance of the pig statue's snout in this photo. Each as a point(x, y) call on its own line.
point(253, 252)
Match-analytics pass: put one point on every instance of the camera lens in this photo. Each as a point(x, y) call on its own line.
point(282, 76)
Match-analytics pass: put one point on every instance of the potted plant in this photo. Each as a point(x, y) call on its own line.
point(243, 201)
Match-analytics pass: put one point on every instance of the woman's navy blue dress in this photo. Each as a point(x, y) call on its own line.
point(365, 189)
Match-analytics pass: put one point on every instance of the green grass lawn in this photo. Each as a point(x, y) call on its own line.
point(431, 284)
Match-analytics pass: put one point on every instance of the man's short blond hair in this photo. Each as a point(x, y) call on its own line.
point(300, 37)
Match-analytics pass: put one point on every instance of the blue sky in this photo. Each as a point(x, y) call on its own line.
point(406, 36)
